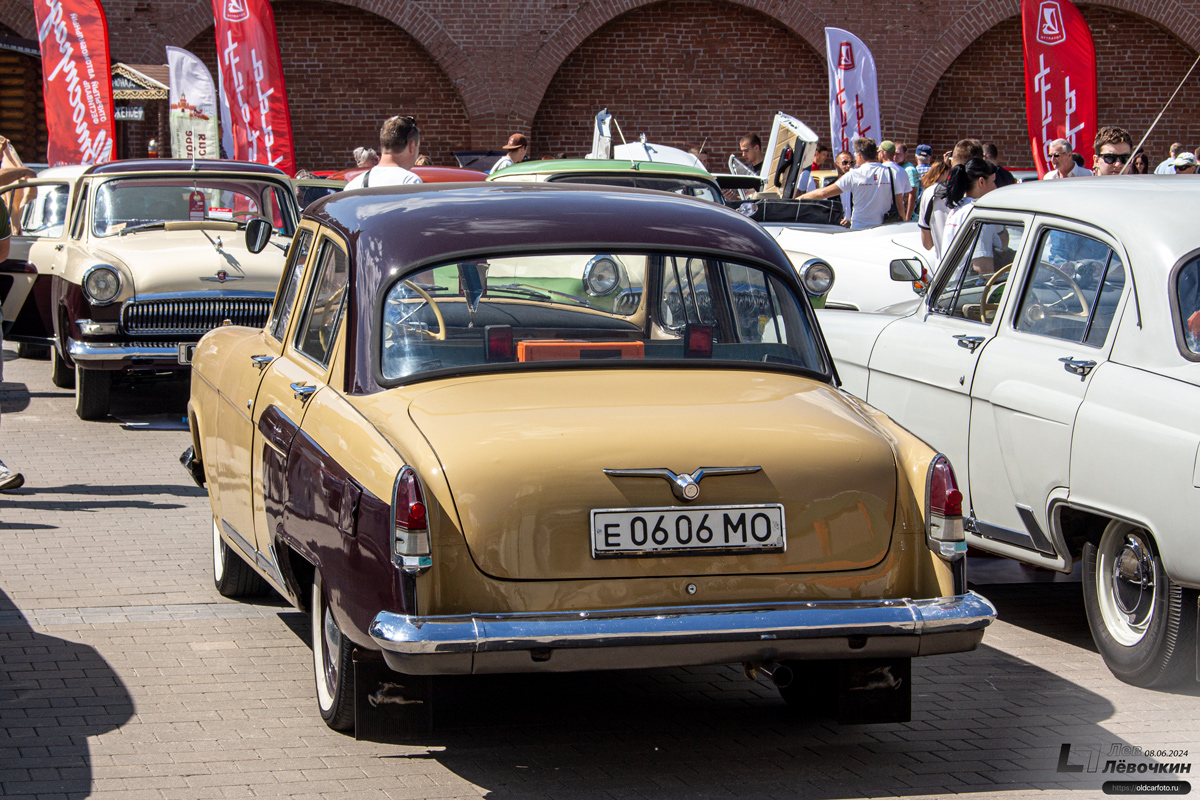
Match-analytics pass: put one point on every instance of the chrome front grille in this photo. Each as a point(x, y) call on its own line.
point(192, 316)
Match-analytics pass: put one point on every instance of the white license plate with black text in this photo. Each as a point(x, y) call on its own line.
point(657, 531)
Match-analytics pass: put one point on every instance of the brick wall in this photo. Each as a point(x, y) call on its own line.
point(1138, 65)
point(22, 114)
point(680, 72)
point(346, 72)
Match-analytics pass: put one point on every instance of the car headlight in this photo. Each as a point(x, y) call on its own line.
point(601, 276)
point(817, 277)
point(101, 284)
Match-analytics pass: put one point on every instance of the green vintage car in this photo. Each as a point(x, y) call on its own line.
point(606, 279)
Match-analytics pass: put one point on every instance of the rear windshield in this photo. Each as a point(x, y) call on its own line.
point(594, 307)
point(124, 205)
point(688, 187)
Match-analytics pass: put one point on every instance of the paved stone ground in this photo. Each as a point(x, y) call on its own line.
point(124, 674)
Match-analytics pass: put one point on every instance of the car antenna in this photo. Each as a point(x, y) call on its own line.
point(1129, 163)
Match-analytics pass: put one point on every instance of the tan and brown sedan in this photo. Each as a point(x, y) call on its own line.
point(460, 458)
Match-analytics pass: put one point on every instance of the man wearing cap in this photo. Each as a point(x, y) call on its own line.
point(514, 153)
point(399, 146)
point(904, 188)
point(924, 160)
point(1167, 167)
point(1185, 164)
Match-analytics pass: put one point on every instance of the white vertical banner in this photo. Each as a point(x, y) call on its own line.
point(193, 102)
point(853, 89)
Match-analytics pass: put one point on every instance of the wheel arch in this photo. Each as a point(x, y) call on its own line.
point(1078, 524)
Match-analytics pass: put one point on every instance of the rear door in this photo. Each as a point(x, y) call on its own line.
point(923, 366)
point(291, 381)
point(1032, 378)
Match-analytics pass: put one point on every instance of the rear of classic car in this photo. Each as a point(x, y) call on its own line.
point(500, 477)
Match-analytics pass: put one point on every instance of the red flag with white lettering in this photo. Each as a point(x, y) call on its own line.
point(252, 83)
point(1060, 79)
point(76, 81)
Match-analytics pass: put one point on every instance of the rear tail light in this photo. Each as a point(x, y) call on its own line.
point(698, 341)
point(499, 342)
point(943, 511)
point(410, 537)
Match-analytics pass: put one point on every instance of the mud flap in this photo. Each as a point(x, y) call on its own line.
point(389, 707)
point(874, 690)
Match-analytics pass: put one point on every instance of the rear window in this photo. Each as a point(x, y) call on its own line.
point(598, 308)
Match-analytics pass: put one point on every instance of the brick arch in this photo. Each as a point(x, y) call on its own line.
point(983, 92)
point(977, 20)
point(338, 103)
point(690, 85)
point(18, 18)
point(572, 30)
point(410, 18)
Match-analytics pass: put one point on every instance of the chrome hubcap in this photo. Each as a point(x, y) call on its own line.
point(1127, 578)
point(333, 645)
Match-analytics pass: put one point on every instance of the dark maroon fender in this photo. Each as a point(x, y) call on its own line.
point(67, 304)
point(316, 508)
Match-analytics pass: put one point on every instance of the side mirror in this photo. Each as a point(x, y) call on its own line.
point(906, 269)
point(258, 233)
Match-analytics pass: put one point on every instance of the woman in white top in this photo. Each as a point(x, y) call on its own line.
point(967, 183)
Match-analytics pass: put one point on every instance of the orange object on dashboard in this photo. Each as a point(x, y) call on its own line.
point(567, 350)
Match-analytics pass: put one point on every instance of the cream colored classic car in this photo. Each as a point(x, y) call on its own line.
point(135, 260)
point(1055, 361)
point(458, 469)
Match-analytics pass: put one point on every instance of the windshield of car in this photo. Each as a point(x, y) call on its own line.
point(127, 204)
point(688, 187)
point(598, 308)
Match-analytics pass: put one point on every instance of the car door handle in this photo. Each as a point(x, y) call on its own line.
point(262, 361)
point(1077, 366)
point(302, 391)
point(969, 342)
point(58, 247)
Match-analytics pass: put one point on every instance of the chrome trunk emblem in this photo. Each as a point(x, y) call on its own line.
point(685, 486)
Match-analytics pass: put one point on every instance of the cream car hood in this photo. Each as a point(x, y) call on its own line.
point(525, 454)
point(178, 261)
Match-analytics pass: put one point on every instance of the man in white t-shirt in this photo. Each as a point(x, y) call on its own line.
point(869, 186)
point(514, 153)
point(1062, 165)
point(887, 157)
point(399, 146)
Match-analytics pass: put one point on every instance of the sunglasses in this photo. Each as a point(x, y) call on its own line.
point(1115, 158)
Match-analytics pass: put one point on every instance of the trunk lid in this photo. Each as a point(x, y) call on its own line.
point(525, 454)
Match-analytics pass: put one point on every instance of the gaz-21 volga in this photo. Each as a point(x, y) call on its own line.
point(457, 467)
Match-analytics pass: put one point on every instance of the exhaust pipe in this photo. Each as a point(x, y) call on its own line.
point(780, 674)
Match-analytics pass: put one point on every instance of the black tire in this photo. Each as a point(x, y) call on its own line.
point(34, 352)
point(61, 375)
point(333, 665)
point(93, 390)
point(232, 576)
point(1144, 624)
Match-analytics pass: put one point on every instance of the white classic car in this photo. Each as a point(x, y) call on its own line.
point(1069, 405)
point(862, 260)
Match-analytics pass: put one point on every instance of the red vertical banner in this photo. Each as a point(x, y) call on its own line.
point(76, 81)
point(1060, 78)
point(251, 77)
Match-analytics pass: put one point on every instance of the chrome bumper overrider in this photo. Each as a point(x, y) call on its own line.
point(648, 637)
point(120, 351)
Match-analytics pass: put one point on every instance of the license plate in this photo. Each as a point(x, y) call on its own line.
point(185, 353)
point(618, 533)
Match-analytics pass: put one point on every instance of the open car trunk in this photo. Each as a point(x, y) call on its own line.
point(525, 454)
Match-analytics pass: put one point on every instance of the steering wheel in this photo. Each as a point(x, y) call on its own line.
point(1083, 303)
point(986, 308)
point(433, 306)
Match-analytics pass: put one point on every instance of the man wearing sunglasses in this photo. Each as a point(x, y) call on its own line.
point(1114, 150)
point(1062, 165)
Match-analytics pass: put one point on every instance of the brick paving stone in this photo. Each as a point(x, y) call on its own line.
point(123, 674)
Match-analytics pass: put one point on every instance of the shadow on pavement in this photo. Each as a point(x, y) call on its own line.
point(54, 694)
point(14, 397)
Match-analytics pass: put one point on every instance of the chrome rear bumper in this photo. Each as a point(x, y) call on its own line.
point(657, 637)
